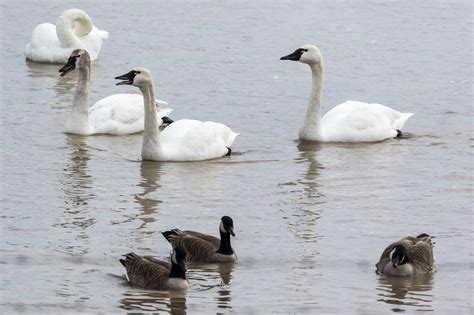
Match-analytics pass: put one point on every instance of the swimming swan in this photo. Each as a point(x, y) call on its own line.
point(54, 43)
point(205, 248)
point(117, 114)
point(183, 140)
point(408, 256)
point(150, 273)
point(348, 122)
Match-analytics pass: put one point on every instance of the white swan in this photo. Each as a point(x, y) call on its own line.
point(54, 43)
point(348, 122)
point(117, 114)
point(183, 140)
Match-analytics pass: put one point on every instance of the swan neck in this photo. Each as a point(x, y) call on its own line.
point(80, 105)
point(82, 24)
point(151, 149)
point(312, 121)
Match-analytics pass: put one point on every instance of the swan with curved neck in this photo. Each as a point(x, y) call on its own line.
point(54, 43)
point(117, 114)
point(348, 122)
point(183, 140)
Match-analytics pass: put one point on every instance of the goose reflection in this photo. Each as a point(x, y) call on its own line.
point(407, 291)
point(173, 302)
point(213, 276)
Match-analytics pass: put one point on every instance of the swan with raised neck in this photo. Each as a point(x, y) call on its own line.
point(348, 122)
point(117, 114)
point(183, 140)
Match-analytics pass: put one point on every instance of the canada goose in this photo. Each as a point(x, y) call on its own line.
point(183, 140)
point(117, 114)
point(408, 256)
point(205, 248)
point(150, 273)
point(54, 43)
point(348, 122)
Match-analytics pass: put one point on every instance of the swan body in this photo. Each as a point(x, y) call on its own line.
point(350, 121)
point(408, 256)
point(205, 248)
point(54, 43)
point(151, 273)
point(117, 114)
point(183, 140)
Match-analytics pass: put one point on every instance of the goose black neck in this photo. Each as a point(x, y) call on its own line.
point(225, 247)
point(177, 272)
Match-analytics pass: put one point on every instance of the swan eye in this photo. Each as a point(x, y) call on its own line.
point(305, 49)
point(136, 72)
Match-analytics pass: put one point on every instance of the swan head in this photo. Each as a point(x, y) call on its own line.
point(137, 77)
point(308, 54)
point(227, 225)
point(79, 58)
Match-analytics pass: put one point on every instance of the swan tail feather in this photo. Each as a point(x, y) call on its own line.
point(231, 138)
point(400, 122)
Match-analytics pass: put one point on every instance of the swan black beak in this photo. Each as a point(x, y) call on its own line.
point(231, 231)
point(127, 78)
point(294, 56)
point(69, 66)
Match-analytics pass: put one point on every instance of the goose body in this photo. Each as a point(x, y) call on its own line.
point(117, 114)
point(350, 121)
point(183, 140)
point(408, 256)
point(54, 43)
point(150, 273)
point(205, 248)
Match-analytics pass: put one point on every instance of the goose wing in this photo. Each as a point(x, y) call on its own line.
point(145, 273)
point(421, 257)
point(208, 238)
point(197, 249)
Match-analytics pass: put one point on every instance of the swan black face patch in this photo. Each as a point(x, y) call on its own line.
point(127, 78)
point(295, 56)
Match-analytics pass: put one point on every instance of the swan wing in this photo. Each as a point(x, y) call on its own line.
point(44, 45)
point(120, 114)
point(354, 121)
point(192, 140)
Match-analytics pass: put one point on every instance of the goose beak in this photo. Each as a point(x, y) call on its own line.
point(294, 56)
point(127, 78)
point(231, 231)
point(68, 67)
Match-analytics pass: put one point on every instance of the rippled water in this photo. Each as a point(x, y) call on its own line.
point(311, 219)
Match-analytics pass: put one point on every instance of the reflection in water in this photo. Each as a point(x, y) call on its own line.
point(173, 302)
point(150, 173)
point(77, 183)
point(308, 210)
point(406, 291)
point(213, 276)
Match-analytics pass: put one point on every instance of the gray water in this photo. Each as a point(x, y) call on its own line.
point(311, 219)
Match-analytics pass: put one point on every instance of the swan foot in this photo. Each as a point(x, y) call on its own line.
point(399, 134)
point(229, 151)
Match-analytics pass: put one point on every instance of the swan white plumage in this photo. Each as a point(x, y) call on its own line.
point(54, 43)
point(183, 140)
point(117, 114)
point(350, 121)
